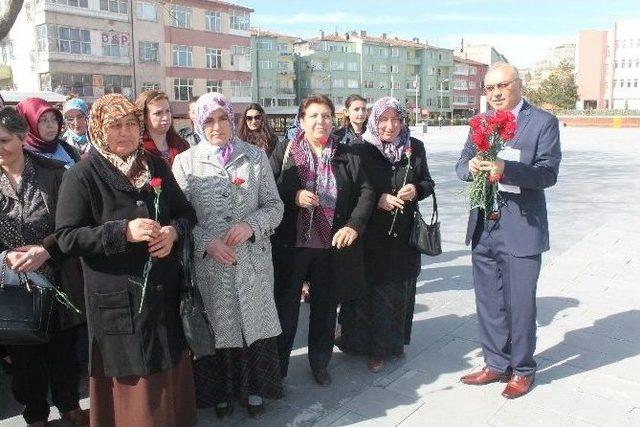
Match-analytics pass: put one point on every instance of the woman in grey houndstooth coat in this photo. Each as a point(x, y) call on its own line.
point(230, 185)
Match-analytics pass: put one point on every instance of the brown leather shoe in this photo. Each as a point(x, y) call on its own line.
point(518, 386)
point(485, 376)
point(77, 417)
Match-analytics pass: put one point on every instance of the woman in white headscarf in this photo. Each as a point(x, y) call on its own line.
point(230, 184)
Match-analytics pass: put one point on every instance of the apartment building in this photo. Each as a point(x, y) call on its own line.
point(93, 47)
point(373, 67)
point(608, 67)
point(468, 76)
point(273, 73)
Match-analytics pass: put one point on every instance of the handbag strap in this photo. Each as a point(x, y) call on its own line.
point(434, 214)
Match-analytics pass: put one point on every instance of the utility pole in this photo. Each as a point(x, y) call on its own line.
point(417, 83)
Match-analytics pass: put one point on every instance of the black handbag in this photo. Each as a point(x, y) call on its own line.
point(425, 238)
point(26, 306)
point(197, 330)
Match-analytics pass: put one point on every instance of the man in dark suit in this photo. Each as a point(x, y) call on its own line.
point(507, 243)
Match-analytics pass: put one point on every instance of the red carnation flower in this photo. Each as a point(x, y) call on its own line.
point(408, 152)
point(508, 131)
point(480, 140)
point(494, 177)
point(156, 184)
point(238, 181)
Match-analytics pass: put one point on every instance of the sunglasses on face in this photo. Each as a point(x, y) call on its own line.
point(253, 118)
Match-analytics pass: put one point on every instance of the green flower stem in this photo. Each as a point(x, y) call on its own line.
point(149, 264)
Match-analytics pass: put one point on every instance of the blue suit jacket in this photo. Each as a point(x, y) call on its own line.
point(523, 217)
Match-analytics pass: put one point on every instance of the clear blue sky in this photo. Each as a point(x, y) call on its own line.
point(521, 30)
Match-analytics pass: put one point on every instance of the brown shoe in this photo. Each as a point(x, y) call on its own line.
point(518, 386)
point(77, 417)
point(485, 376)
point(375, 365)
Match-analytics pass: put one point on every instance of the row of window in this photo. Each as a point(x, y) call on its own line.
point(268, 45)
point(182, 17)
point(464, 84)
point(183, 88)
point(630, 63)
point(464, 99)
point(624, 83)
point(627, 43)
point(84, 84)
point(182, 56)
point(278, 102)
point(115, 6)
point(56, 38)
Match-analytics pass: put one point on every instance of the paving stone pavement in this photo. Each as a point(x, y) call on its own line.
point(588, 315)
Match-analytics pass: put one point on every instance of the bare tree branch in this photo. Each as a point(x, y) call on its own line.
point(8, 15)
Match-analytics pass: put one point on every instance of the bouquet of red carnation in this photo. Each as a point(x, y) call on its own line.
point(490, 135)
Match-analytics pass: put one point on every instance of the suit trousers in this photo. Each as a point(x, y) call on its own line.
point(505, 289)
point(292, 266)
point(38, 367)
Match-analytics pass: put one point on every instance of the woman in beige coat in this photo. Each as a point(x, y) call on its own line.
point(230, 184)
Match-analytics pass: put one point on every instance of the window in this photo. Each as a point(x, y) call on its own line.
point(460, 84)
point(81, 84)
point(395, 69)
point(383, 68)
point(182, 56)
point(240, 88)
point(74, 3)
point(146, 11)
point(150, 86)
point(268, 102)
point(635, 83)
point(367, 50)
point(148, 52)
point(115, 6)
point(117, 84)
point(337, 65)
point(182, 89)
point(472, 85)
point(338, 83)
point(621, 82)
point(395, 85)
point(331, 47)
point(383, 51)
point(286, 102)
point(180, 16)
point(266, 64)
point(282, 48)
point(395, 52)
point(285, 84)
point(115, 45)
point(353, 84)
point(368, 84)
point(472, 99)
point(212, 21)
point(266, 84)
point(370, 68)
point(353, 66)
point(622, 63)
point(237, 52)
point(239, 20)
point(629, 83)
point(41, 37)
point(473, 70)
point(369, 99)
point(264, 44)
point(74, 40)
point(214, 58)
point(214, 86)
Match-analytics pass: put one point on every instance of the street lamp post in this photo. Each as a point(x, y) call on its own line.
point(442, 95)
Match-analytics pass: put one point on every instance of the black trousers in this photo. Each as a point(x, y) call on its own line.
point(292, 266)
point(38, 367)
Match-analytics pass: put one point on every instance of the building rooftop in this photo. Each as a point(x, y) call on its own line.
point(255, 31)
point(228, 4)
point(457, 58)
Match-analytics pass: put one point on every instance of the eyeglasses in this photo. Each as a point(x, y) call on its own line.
point(500, 86)
point(253, 118)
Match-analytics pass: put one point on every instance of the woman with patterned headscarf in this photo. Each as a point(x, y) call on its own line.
point(140, 369)
point(230, 184)
point(378, 325)
point(76, 115)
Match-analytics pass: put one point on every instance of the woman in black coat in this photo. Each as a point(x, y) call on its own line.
point(378, 324)
point(139, 364)
point(327, 202)
point(354, 121)
point(28, 196)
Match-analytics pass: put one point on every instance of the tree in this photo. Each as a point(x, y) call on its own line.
point(8, 15)
point(558, 89)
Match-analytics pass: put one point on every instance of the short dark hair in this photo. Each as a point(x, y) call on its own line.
point(315, 99)
point(13, 122)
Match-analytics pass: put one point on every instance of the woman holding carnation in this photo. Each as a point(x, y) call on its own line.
point(140, 369)
point(231, 186)
point(378, 325)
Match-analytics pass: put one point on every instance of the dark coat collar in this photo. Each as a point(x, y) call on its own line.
point(112, 176)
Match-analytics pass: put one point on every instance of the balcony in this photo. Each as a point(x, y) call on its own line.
point(414, 61)
point(76, 57)
point(47, 6)
point(287, 91)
